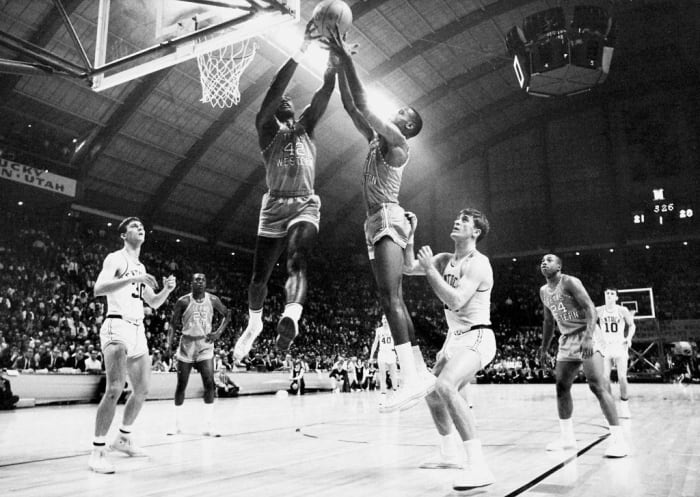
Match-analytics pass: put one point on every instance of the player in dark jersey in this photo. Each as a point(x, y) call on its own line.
point(567, 302)
point(386, 226)
point(290, 211)
point(193, 315)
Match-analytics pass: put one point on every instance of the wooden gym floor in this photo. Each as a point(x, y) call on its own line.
point(338, 445)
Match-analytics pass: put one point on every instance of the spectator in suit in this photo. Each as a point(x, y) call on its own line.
point(24, 361)
point(56, 361)
point(77, 361)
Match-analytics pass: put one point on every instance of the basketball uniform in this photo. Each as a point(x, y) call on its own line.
point(571, 321)
point(380, 186)
point(470, 325)
point(196, 325)
point(613, 325)
point(386, 353)
point(290, 169)
point(124, 322)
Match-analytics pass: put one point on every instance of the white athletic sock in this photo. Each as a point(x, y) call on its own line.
point(407, 363)
point(99, 442)
point(447, 444)
point(616, 432)
point(255, 319)
point(474, 453)
point(567, 429)
point(125, 430)
point(293, 310)
point(420, 361)
point(208, 413)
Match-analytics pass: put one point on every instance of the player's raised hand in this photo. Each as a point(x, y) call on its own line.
point(338, 44)
point(146, 279)
point(425, 257)
point(169, 283)
point(311, 32)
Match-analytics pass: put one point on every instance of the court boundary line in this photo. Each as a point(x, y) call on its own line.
point(527, 486)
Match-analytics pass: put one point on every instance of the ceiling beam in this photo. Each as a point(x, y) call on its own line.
point(99, 141)
point(200, 147)
point(41, 36)
point(467, 21)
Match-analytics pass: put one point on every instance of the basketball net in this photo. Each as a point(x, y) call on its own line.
point(220, 71)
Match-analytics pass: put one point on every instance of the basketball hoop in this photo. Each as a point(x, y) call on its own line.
point(220, 71)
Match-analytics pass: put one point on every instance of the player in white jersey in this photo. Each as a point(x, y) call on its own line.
point(618, 328)
point(386, 355)
point(125, 283)
point(463, 281)
point(193, 315)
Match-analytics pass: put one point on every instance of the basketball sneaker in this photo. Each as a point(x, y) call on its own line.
point(408, 396)
point(98, 462)
point(245, 342)
point(474, 476)
point(127, 446)
point(287, 330)
point(624, 410)
point(561, 444)
point(617, 448)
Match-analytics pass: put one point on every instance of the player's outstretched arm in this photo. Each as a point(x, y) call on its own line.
point(265, 121)
point(386, 128)
point(319, 102)
point(358, 119)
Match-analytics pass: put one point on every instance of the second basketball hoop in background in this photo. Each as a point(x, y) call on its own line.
point(330, 14)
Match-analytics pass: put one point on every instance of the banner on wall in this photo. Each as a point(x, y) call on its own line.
point(36, 177)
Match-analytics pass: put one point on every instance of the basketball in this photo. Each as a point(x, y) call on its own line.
point(330, 14)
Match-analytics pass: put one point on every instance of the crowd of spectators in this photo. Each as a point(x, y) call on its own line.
point(50, 320)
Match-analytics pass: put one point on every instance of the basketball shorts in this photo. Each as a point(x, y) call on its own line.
point(482, 341)
point(387, 220)
point(278, 214)
point(194, 349)
point(130, 333)
point(570, 346)
point(616, 350)
point(386, 358)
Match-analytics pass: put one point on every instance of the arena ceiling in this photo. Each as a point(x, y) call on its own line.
point(153, 149)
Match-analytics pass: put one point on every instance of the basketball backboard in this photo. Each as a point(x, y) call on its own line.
point(138, 37)
point(640, 302)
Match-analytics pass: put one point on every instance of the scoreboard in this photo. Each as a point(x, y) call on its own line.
point(664, 214)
